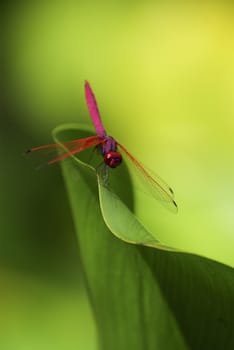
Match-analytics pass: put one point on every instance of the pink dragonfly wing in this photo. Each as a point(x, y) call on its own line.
point(151, 183)
point(67, 149)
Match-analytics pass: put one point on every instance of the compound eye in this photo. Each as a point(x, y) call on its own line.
point(112, 159)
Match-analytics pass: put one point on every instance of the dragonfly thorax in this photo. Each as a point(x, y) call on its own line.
point(112, 159)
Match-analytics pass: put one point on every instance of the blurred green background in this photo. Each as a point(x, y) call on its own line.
point(163, 74)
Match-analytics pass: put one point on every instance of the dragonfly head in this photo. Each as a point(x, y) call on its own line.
point(112, 159)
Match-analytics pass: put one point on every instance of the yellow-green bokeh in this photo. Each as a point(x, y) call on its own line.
point(163, 74)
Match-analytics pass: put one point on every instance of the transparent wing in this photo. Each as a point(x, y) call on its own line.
point(56, 152)
point(151, 183)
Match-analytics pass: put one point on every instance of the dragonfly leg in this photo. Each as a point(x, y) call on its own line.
point(102, 169)
point(105, 176)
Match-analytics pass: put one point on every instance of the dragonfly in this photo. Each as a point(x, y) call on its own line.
point(112, 153)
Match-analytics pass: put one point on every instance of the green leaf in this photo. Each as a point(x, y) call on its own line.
point(144, 295)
